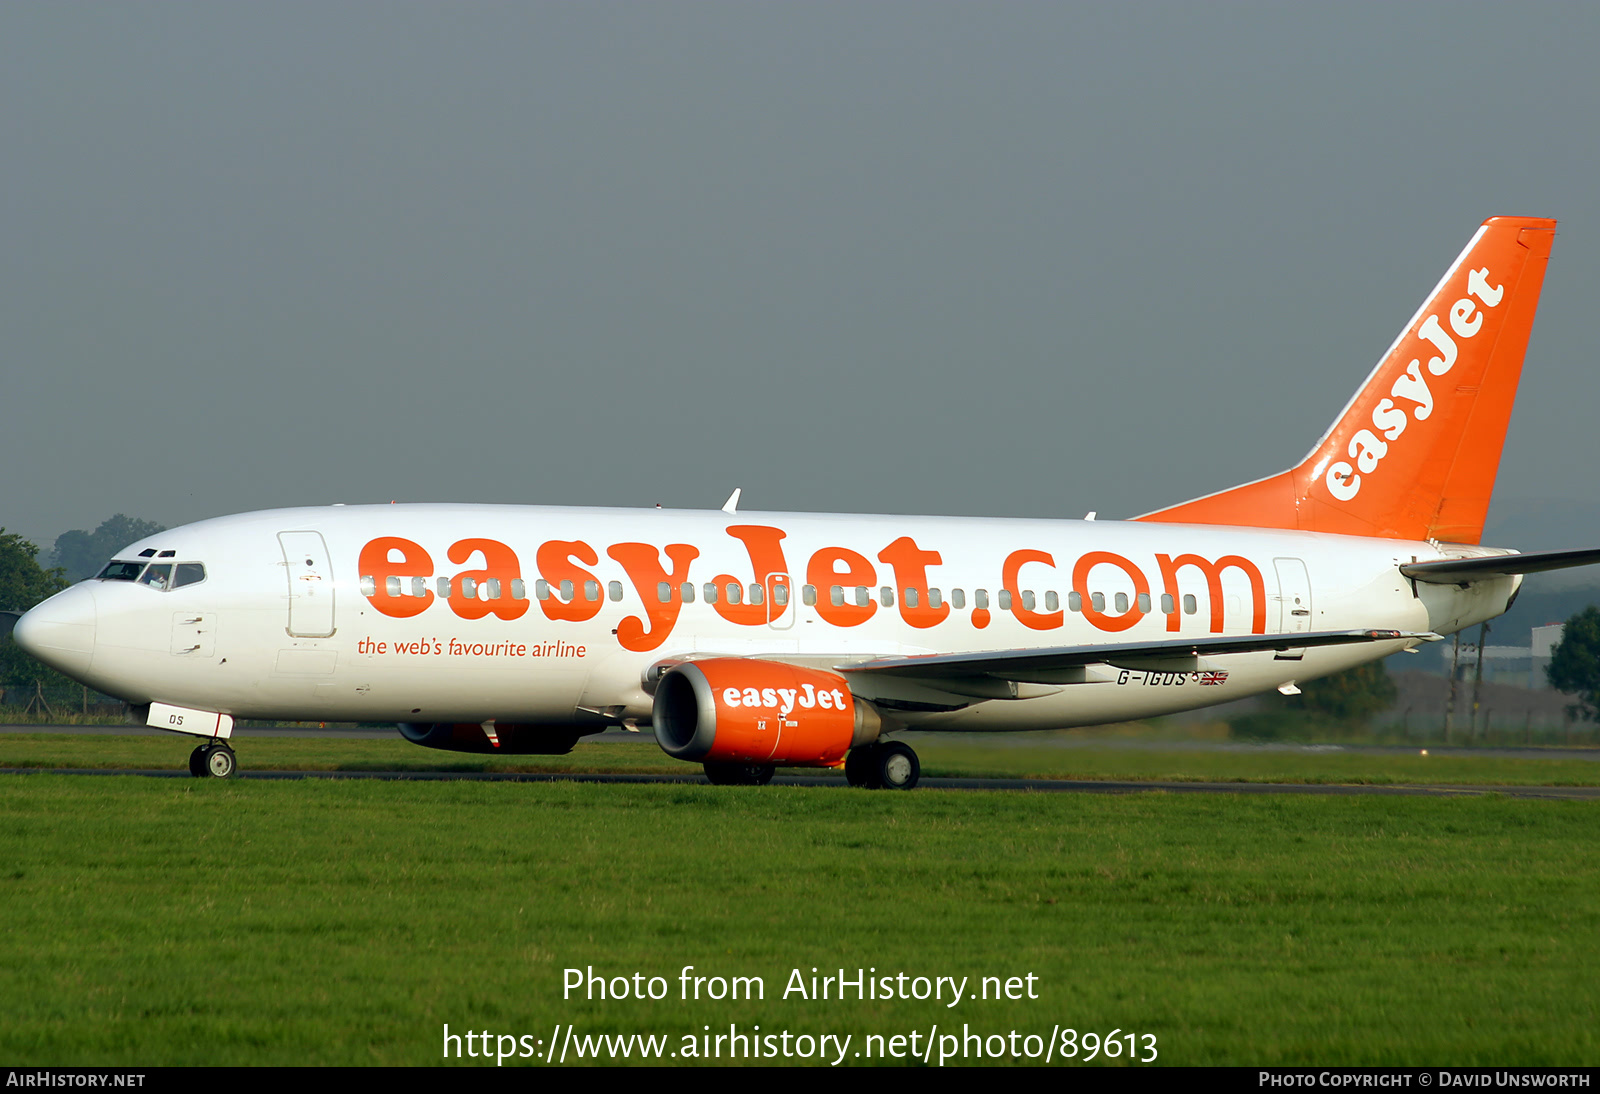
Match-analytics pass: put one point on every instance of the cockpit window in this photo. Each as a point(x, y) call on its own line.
point(120, 571)
point(158, 576)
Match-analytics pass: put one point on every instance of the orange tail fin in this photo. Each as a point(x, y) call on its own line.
point(1414, 454)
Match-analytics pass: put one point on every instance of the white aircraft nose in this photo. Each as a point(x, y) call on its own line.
point(60, 632)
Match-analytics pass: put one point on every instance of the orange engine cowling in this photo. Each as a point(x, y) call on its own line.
point(739, 710)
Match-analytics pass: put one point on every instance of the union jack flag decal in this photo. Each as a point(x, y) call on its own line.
point(1212, 678)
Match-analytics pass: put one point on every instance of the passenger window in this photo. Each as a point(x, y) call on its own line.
point(567, 590)
point(419, 585)
point(687, 592)
point(469, 588)
point(369, 585)
point(733, 592)
point(1189, 606)
point(1052, 602)
point(663, 592)
point(491, 589)
point(934, 599)
point(1075, 601)
point(980, 598)
point(1122, 603)
point(1098, 600)
point(391, 585)
point(836, 595)
point(1027, 599)
point(1167, 606)
point(443, 585)
point(591, 591)
point(780, 595)
point(863, 597)
point(958, 599)
point(1144, 603)
point(519, 589)
point(1005, 600)
point(711, 593)
point(808, 594)
point(756, 594)
point(614, 590)
point(911, 597)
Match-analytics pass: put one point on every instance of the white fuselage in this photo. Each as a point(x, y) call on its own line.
point(556, 615)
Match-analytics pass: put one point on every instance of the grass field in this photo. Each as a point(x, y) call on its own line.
point(196, 922)
point(1010, 756)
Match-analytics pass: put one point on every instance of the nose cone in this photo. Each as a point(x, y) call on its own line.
point(60, 632)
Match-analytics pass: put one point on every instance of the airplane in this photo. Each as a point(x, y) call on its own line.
point(749, 641)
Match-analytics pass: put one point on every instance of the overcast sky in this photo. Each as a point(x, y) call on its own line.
point(991, 259)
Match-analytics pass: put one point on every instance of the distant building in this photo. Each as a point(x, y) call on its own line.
point(1501, 665)
point(1545, 641)
point(1522, 666)
point(1546, 638)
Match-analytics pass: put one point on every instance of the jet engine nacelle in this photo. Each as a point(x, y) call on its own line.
point(516, 739)
point(741, 710)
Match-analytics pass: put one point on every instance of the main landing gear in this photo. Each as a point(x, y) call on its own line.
point(891, 765)
point(214, 759)
point(738, 774)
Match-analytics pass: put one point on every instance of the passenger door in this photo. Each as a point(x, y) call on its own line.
point(1294, 602)
point(310, 574)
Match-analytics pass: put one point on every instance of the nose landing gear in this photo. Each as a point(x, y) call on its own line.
point(888, 766)
point(213, 760)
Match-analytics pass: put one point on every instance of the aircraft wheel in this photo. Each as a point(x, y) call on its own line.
point(860, 768)
point(220, 762)
point(726, 774)
point(896, 766)
point(197, 762)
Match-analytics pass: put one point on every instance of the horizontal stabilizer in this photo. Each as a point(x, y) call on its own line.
point(1025, 664)
point(1460, 571)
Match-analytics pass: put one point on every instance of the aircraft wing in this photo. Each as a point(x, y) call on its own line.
point(1066, 664)
point(1462, 571)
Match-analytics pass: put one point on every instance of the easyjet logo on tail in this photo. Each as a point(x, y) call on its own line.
point(1390, 418)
